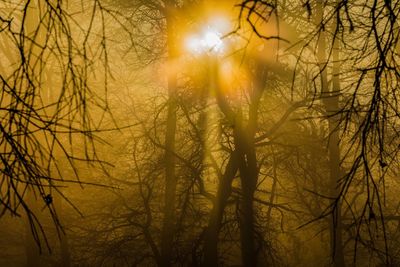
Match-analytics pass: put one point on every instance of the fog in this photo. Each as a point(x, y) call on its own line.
point(199, 133)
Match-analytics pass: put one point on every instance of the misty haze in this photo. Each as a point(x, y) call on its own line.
point(199, 133)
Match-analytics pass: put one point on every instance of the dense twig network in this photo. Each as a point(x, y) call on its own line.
point(48, 99)
point(368, 37)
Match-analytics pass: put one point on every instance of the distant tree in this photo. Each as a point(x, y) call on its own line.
point(359, 91)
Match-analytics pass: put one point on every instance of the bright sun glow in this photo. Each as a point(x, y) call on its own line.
point(212, 40)
point(209, 40)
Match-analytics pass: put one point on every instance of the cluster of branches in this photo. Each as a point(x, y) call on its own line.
point(200, 212)
point(362, 39)
point(47, 100)
point(48, 96)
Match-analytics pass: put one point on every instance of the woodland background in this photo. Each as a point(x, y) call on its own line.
point(119, 146)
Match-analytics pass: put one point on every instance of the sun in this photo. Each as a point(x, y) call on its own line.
point(209, 38)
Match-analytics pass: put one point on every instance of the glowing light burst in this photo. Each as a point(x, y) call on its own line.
point(208, 41)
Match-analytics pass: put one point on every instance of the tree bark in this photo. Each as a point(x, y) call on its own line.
point(244, 140)
point(168, 224)
point(332, 107)
point(248, 178)
point(330, 100)
point(243, 135)
point(215, 220)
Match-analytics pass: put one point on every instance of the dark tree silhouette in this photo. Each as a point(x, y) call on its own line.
point(363, 114)
point(247, 157)
point(48, 103)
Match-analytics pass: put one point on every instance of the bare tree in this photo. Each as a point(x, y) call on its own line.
point(48, 104)
point(361, 106)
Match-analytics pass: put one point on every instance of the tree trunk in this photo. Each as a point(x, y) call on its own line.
point(168, 225)
point(215, 220)
point(244, 140)
point(243, 135)
point(248, 178)
point(332, 107)
point(330, 101)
